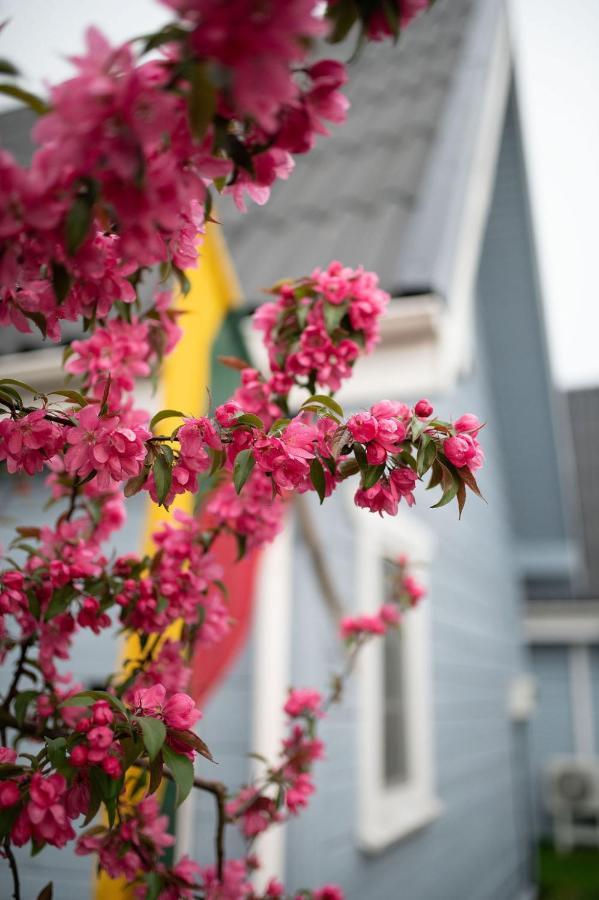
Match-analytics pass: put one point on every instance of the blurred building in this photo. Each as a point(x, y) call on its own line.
point(427, 790)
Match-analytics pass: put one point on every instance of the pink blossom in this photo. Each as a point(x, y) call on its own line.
point(460, 450)
point(329, 892)
point(103, 444)
point(468, 423)
point(354, 626)
point(45, 817)
point(413, 589)
point(302, 702)
point(257, 812)
point(7, 756)
point(423, 409)
point(79, 755)
point(234, 885)
point(9, 794)
point(29, 442)
point(298, 793)
point(180, 712)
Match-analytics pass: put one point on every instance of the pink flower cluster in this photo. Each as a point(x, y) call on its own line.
point(132, 846)
point(253, 514)
point(112, 446)
point(386, 494)
point(99, 746)
point(317, 325)
point(381, 430)
point(179, 711)
point(45, 816)
point(30, 442)
point(183, 580)
point(463, 448)
point(119, 351)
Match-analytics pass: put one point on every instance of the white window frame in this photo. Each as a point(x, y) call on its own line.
point(386, 812)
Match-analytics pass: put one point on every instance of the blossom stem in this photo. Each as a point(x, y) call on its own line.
point(13, 869)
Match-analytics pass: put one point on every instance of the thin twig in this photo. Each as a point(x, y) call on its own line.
point(17, 675)
point(14, 870)
point(323, 575)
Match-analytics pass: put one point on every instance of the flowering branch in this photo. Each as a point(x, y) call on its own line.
point(129, 152)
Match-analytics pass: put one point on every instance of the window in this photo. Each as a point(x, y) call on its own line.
point(395, 737)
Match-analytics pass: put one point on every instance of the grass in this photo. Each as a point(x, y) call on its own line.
point(568, 876)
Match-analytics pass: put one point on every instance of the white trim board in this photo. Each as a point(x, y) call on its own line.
point(271, 677)
point(562, 622)
point(388, 813)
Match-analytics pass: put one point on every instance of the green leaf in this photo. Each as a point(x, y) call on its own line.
point(87, 698)
point(59, 602)
point(155, 774)
point(192, 740)
point(134, 485)
point(450, 489)
point(166, 414)
point(218, 460)
point(182, 771)
point(468, 478)
point(372, 474)
point(153, 883)
point(21, 705)
point(436, 475)
point(7, 68)
point(328, 402)
point(74, 396)
point(241, 545)
point(244, 463)
point(344, 16)
point(163, 476)
point(46, 892)
point(278, 425)
point(31, 100)
point(166, 35)
point(249, 419)
point(38, 319)
point(427, 453)
point(21, 384)
point(61, 280)
point(153, 732)
point(317, 477)
point(78, 223)
point(201, 102)
point(57, 754)
point(333, 314)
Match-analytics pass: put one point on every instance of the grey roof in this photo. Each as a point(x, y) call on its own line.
point(358, 196)
point(583, 406)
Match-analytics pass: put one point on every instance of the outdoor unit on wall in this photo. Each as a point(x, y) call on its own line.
point(571, 794)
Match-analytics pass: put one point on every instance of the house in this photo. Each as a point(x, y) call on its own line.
point(562, 627)
point(427, 790)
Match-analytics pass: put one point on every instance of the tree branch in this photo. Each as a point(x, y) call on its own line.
point(323, 575)
point(13, 869)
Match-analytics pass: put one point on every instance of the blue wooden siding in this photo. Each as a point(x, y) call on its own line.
point(551, 728)
point(473, 850)
point(527, 409)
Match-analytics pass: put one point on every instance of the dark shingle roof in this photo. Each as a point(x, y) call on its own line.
point(351, 198)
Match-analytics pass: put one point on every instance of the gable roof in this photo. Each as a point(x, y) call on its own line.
point(365, 192)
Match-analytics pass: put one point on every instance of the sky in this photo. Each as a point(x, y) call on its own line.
point(556, 50)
